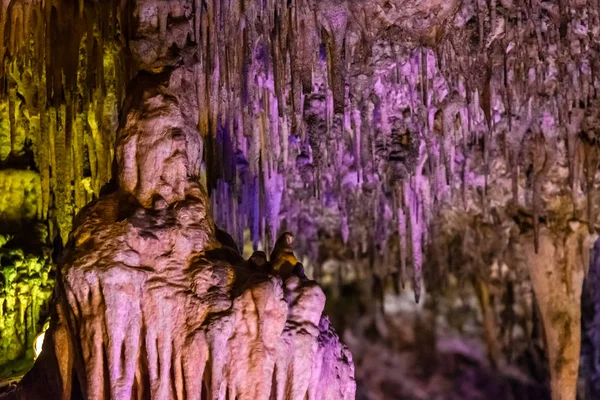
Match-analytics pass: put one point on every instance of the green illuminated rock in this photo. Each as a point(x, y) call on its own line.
point(26, 285)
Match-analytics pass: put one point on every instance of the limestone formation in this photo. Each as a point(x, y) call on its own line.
point(557, 270)
point(26, 285)
point(26, 271)
point(150, 305)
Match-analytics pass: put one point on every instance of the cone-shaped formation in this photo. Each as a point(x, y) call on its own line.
point(150, 304)
point(557, 269)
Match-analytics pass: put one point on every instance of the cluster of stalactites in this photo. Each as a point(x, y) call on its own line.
point(62, 74)
point(25, 288)
point(487, 99)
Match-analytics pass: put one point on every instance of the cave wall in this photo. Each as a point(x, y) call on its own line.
point(26, 273)
point(26, 284)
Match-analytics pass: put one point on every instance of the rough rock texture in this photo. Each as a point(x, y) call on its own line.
point(26, 283)
point(151, 305)
point(21, 195)
point(26, 273)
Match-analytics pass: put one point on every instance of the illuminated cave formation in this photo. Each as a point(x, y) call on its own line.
point(151, 305)
point(445, 151)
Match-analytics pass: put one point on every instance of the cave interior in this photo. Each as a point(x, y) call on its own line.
point(300, 199)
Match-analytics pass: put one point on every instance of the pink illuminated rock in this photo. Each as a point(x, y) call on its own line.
point(151, 305)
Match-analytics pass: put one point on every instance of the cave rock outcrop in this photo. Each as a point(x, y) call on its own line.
point(154, 301)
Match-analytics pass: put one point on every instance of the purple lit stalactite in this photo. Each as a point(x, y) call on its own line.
point(412, 202)
point(274, 187)
point(402, 239)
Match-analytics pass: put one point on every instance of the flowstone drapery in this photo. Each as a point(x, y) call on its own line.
point(150, 304)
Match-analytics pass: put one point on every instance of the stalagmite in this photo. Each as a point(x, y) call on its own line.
point(557, 270)
point(140, 253)
point(152, 299)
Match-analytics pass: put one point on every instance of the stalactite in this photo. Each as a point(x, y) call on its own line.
point(356, 120)
point(537, 154)
point(401, 215)
point(415, 220)
point(485, 100)
point(415, 238)
point(334, 21)
point(424, 78)
point(449, 111)
point(592, 162)
point(59, 85)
